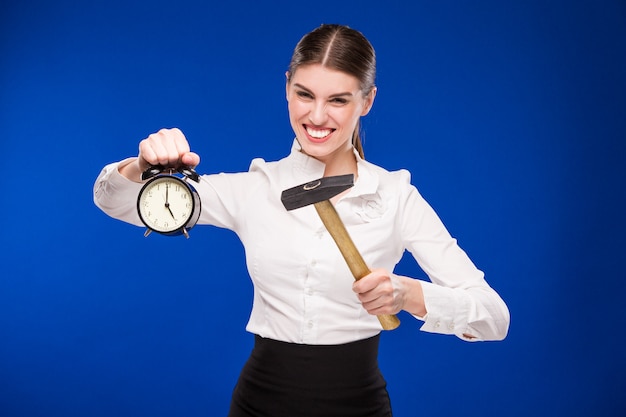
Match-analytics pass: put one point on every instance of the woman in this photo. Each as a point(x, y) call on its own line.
point(316, 332)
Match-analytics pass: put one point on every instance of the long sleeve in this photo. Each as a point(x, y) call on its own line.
point(458, 299)
point(116, 195)
point(302, 286)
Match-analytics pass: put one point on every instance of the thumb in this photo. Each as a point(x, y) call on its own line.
point(190, 159)
point(360, 286)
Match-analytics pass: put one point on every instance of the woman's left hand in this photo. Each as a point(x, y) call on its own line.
point(381, 292)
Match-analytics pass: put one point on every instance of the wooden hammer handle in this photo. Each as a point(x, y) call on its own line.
point(353, 258)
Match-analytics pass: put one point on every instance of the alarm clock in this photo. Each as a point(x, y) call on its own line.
point(167, 203)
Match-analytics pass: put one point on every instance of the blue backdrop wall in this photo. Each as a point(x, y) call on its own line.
point(510, 116)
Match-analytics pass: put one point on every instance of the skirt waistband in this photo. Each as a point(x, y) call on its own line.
point(350, 361)
point(283, 379)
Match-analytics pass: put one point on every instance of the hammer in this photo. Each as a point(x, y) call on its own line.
point(319, 193)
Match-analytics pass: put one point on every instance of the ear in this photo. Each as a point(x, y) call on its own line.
point(369, 101)
point(287, 75)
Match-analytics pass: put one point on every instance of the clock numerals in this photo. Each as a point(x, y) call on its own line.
point(168, 205)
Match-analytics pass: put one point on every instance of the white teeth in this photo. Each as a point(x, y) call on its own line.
point(318, 134)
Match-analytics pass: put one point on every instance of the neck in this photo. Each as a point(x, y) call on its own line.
point(346, 164)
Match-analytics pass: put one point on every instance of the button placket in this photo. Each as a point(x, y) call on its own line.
point(315, 249)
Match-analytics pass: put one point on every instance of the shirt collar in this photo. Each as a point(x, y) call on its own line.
point(367, 182)
point(304, 165)
point(308, 168)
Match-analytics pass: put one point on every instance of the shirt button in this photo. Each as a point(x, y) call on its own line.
point(451, 326)
point(310, 323)
point(308, 291)
point(313, 262)
point(437, 324)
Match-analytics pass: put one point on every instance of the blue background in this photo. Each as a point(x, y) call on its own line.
point(509, 114)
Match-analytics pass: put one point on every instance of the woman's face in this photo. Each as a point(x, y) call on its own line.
point(324, 108)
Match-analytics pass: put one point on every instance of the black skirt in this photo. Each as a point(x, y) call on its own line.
point(292, 380)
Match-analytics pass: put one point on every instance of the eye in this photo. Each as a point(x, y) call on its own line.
point(339, 101)
point(303, 94)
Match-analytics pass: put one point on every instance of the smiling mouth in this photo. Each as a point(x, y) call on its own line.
point(318, 133)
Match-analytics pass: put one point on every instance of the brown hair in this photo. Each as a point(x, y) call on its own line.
point(343, 49)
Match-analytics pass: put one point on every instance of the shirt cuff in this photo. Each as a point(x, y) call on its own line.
point(116, 195)
point(447, 309)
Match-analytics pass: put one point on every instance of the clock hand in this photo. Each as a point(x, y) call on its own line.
point(167, 204)
point(170, 210)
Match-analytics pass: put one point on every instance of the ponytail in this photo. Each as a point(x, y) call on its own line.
point(356, 140)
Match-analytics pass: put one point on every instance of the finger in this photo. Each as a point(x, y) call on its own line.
point(160, 148)
point(378, 296)
point(166, 147)
point(369, 282)
point(186, 157)
point(369, 296)
point(377, 290)
point(190, 159)
point(180, 141)
point(147, 153)
point(384, 304)
point(374, 305)
point(386, 309)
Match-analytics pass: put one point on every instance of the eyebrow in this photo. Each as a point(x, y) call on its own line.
point(347, 93)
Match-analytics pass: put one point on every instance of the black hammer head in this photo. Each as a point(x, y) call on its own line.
point(315, 191)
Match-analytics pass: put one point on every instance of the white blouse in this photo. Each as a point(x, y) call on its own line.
point(302, 285)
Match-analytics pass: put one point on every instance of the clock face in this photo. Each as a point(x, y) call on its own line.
point(166, 204)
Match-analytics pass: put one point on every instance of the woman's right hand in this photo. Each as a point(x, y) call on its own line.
point(167, 147)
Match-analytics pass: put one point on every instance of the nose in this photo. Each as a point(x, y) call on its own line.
point(317, 113)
